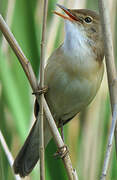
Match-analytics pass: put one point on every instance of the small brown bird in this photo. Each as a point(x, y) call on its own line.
point(73, 75)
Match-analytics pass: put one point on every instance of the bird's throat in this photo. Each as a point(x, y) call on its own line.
point(76, 42)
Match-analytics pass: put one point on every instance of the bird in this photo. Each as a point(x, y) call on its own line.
point(73, 75)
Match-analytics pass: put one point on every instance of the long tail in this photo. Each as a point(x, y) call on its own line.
point(29, 153)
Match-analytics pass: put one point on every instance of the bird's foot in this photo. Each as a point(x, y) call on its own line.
point(40, 91)
point(61, 152)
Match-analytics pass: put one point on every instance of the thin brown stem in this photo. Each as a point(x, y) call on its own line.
point(59, 143)
point(34, 84)
point(8, 19)
point(8, 153)
point(112, 78)
point(19, 53)
point(109, 147)
point(42, 60)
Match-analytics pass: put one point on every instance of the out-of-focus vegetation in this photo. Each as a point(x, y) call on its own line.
point(87, 134)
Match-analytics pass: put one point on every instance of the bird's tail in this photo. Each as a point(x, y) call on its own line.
point(29, 153)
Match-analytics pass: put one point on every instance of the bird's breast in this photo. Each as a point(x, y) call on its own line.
point(72, 85)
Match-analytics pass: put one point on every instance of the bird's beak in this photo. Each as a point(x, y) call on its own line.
point(70, 16)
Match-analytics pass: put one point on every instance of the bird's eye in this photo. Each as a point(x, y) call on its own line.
point(88, 19)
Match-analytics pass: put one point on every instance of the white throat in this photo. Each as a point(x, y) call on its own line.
point(76, 43)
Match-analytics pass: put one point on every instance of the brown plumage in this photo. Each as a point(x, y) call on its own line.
point(73, 75)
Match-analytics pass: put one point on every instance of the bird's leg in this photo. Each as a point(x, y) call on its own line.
point(61, 152)
point(60, 125)
point(62, 133)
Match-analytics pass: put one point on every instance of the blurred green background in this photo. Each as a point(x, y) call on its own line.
point(87, 134)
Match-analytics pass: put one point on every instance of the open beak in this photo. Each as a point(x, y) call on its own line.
point(70, 16)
